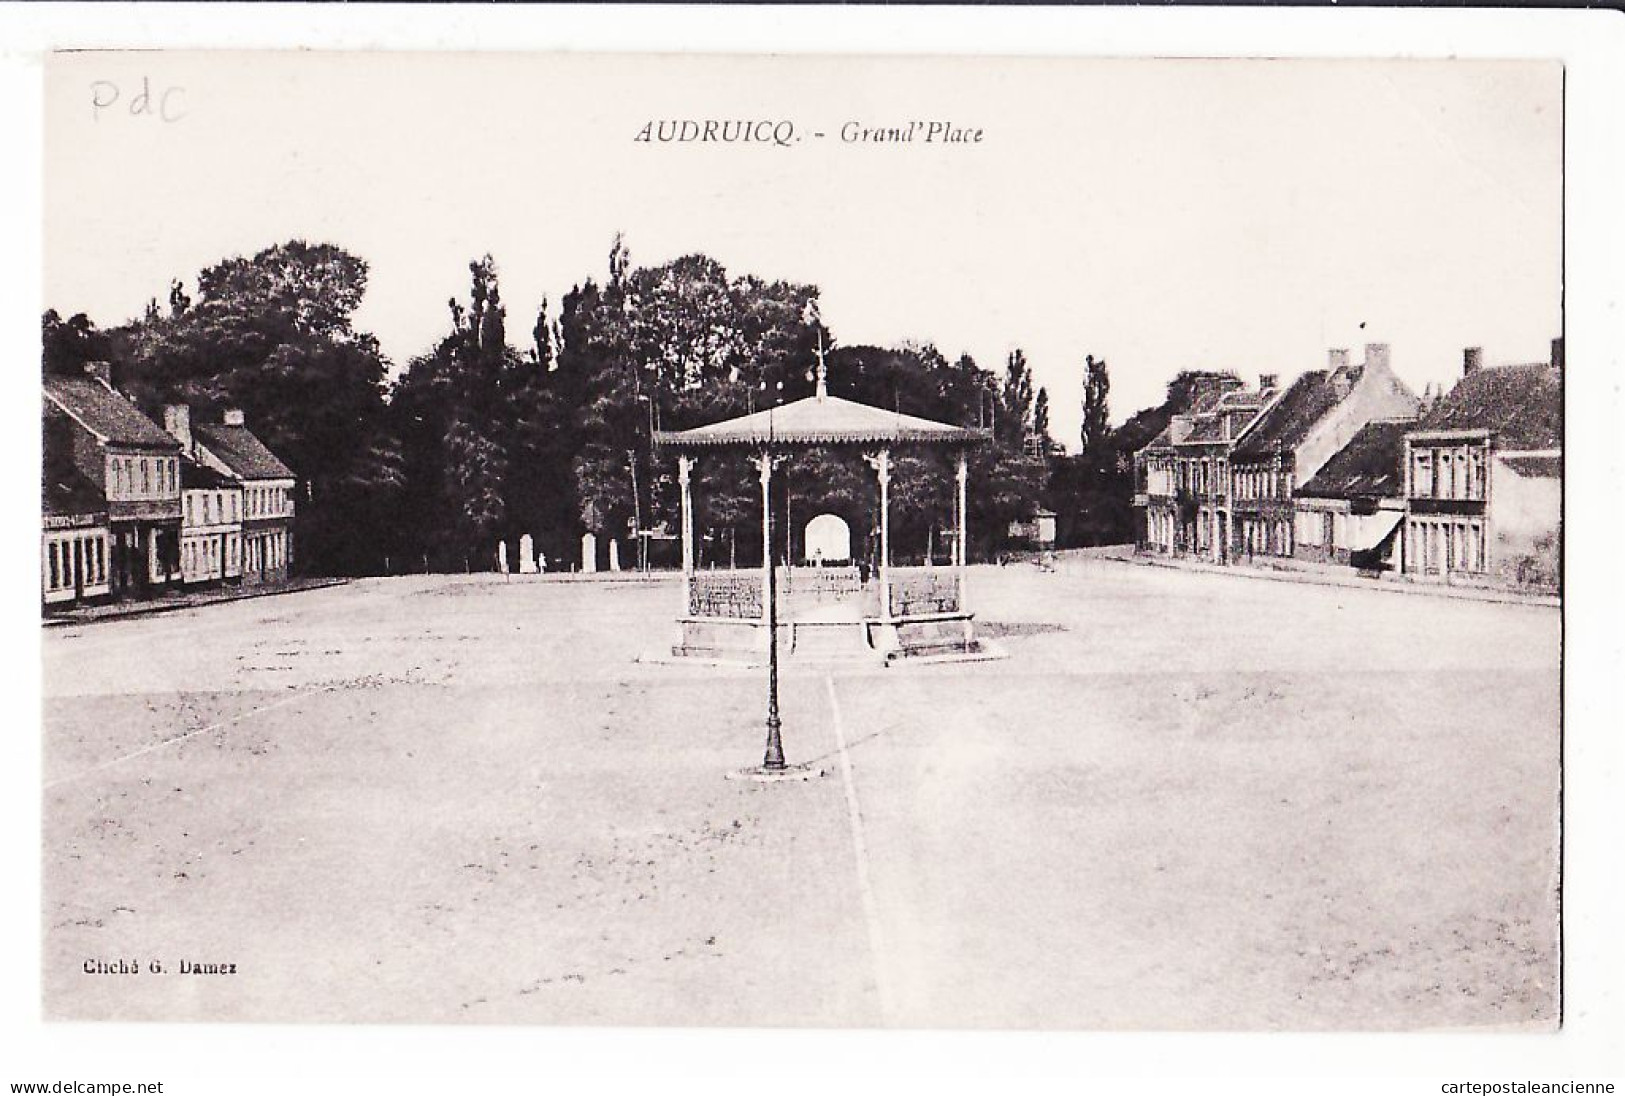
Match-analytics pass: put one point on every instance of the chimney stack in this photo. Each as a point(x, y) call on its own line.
point(1557, 352)
point(1337, 359)
point(178, 425)
point(232, 416)
point(101, 371)
point(1376, 357)
point(1472, 360)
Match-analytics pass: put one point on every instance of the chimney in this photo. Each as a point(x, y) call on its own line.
point(101, 371)
point(1557, 352)
point(178, 424)
point(1472, 360)
point(1337, 359)
point(232, 416)
point(1376, 356)
point(1268, 383)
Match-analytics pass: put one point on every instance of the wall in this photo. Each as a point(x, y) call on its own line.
point(1377, 395)
point(1525, 514)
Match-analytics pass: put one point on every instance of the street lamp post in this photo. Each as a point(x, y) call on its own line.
point(773, 759)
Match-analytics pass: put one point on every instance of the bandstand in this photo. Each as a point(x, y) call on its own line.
point(824, 612)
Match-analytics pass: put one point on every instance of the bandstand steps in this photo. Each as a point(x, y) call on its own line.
point(843, 641)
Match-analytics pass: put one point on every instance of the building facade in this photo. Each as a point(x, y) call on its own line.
point(1294, 438)
point(1182, 476)
point(211, 526)
point(75, 540)
point(1352, 510)
point(267, 487)
point(211, 511)
point(1483, 477)
point(136, 468)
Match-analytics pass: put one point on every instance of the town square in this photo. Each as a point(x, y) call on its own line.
point(467, 799)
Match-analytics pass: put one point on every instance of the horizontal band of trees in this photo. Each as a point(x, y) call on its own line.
point(480, 440)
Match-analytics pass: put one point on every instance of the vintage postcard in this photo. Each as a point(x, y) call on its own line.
point(694, 540)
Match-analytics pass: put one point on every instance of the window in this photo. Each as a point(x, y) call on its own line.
point(50, 550)
point(1422, 474)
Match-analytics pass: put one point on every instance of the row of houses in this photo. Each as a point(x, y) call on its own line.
point(1348, 466)
point(133, 509)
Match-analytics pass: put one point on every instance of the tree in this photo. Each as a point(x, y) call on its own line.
point(1015, 416)
point(1096, 386)
point(272, 334)
point(66, 345)
point(676, 345)
point(489, 434)
point(1045, 443)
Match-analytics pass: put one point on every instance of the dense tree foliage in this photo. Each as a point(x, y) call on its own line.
point(479, 441)
point(272, 335)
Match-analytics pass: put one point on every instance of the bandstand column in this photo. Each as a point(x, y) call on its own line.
point(962, 476)
point(881, 463)
point(685, 467)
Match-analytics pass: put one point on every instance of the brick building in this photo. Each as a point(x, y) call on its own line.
point(136, 468)
point(1484, 476)
point(75, 538)
point(1182, 474)
point(1352, 510)
point(1294, 437)
point(267, 486)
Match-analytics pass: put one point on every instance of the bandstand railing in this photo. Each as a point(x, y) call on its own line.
point(729, 595)
point(737, 595)
point(821, 585)
point(924, 591)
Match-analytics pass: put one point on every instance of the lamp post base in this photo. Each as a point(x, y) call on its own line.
point(762, 775)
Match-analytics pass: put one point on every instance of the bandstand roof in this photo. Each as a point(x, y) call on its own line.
point(820, 420)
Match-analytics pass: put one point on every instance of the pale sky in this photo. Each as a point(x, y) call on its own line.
point(1164, 215)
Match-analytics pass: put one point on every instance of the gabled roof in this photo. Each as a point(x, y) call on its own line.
point(1371, 465)
point(1286, 422)
point(240, 451)
point(70, 493)
point(829, 420)
point(112, 418)
point(1522, 405)
point(196, 476)
point(1163, 440)
point(1208, 425)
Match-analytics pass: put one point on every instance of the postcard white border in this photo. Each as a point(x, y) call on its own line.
point(1592, 46)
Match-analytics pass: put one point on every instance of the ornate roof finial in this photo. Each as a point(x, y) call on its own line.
point(823, 371)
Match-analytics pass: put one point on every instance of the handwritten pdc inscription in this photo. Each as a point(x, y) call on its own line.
point(109, 99)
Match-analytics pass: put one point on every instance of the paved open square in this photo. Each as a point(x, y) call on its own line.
point(1184, 800)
